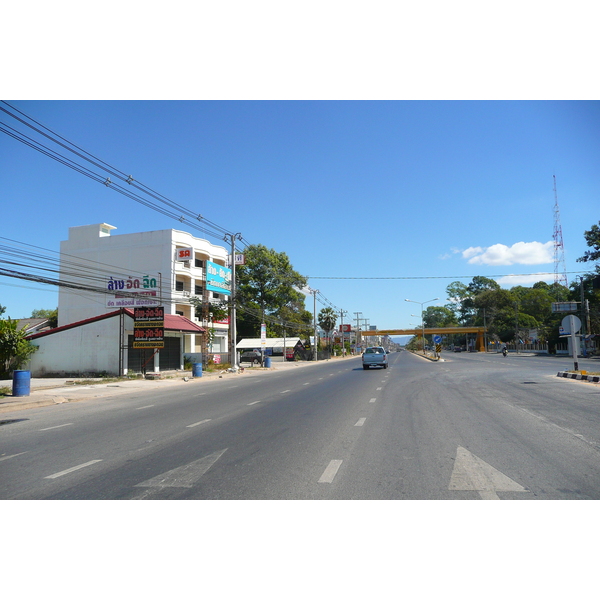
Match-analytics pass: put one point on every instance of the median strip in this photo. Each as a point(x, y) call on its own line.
point(579, 376)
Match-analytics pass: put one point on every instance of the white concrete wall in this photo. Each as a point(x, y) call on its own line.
point(91, 348)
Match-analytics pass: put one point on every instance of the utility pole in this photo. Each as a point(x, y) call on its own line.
point(357, 331)
point(342, 312)
point(315, 323)
point(232, 317)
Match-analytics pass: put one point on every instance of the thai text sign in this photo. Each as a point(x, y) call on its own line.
point(129, 292)
point(149, 327)
point(218, 278)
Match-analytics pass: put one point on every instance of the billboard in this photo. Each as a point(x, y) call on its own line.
point(218, 278)
point(149, 327)
point(129, 292)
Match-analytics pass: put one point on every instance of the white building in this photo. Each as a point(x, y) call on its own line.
point(104, 277)
point(168, 265)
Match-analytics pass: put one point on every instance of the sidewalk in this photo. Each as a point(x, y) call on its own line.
point(48, 392)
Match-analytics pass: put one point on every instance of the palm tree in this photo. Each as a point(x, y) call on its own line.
point(327, 318)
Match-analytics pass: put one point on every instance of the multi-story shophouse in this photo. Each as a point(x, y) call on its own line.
point(103, 275)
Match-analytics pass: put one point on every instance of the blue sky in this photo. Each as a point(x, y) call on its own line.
point(427, 192)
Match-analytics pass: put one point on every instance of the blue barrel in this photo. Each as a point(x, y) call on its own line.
point(197, 369)
point(21, 383)
point(268, 362)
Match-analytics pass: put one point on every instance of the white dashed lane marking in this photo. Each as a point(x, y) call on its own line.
point(360, 422)
point(198, 423)
point(66, 471)
point(12, 455)
point(55, 426)
point(331, 471)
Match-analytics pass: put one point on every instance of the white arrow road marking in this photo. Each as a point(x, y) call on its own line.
point(185, 476)
point(331, 471)
point(472, 473)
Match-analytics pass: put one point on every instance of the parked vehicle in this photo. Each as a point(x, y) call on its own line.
point(375, 356)
point(252, 357)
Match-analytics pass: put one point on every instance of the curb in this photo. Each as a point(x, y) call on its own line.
point(579, 376)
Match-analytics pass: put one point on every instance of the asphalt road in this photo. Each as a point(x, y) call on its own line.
point(476, 426)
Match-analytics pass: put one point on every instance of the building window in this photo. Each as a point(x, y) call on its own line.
point(198, 263)
point(198, 290)
point(179, 286)
point(216, 296)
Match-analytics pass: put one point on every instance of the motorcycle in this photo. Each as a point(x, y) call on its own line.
point(504, 352)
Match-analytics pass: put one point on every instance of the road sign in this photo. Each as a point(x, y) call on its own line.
point(437, 339)
point(566, 324)
point(564, 307)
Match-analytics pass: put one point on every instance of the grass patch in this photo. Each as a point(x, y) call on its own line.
point(5, 391)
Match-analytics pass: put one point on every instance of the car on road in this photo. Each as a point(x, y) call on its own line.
point(374, 356)
point(251, 357)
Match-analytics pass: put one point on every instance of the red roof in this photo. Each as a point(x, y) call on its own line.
point(172, 323)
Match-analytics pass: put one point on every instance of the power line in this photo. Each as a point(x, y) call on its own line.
point(173, 209)
point(437, 276)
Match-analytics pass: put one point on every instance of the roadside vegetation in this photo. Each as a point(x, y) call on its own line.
point(511, 314)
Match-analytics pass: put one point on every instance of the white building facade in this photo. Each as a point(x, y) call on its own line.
point(166, 267)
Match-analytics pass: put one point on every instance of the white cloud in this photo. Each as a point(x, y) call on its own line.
point(521, 253)
point(512, 280)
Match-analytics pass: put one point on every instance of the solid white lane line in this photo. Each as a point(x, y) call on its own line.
point(307, 383)
point(360, 422)
point(330, 472)
point(56, 426)
point(66, 471)
point(13, 455)
point(285, 391)
point(142, 407)
point(379, 389)
point(255, 402)
point(372, 399)
point(198, 423)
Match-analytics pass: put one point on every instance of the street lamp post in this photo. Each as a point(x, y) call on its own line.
point(422, 317)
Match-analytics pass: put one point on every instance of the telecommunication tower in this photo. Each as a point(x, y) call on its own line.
point(560, 271)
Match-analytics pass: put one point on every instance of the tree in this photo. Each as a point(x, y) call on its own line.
point(592, 238)
point(266, 285)
point(46, 313)
point(327, 318)
point(15, 350)
point(439, 316)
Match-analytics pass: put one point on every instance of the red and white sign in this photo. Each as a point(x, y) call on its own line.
point(346, 328)
point(183, 254)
